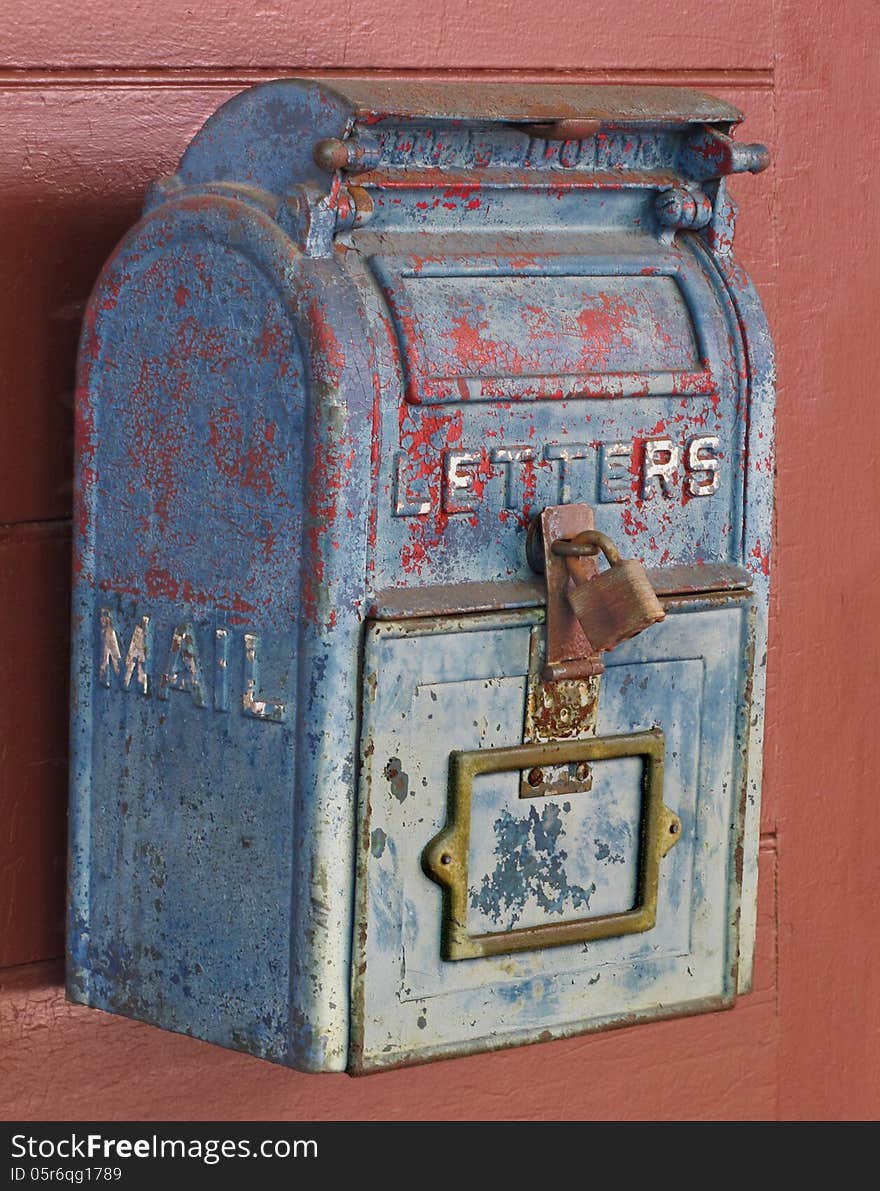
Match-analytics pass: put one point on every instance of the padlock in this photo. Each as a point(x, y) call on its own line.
point(616, 604)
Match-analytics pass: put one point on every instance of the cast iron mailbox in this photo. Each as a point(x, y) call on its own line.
point(373, 761)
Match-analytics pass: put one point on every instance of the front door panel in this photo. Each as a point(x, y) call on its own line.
point(434, 686)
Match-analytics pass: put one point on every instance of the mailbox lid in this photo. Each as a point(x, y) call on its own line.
point(374, 100)
point(269, 132)
point(473, 219)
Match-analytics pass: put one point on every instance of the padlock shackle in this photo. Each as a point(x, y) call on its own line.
point(586, 544)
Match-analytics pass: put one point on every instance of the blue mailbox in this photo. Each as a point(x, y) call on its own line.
point(376, 758)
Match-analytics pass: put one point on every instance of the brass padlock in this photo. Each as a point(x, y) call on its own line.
point(616, 604)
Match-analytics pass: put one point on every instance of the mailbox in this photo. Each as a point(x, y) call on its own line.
point(423, 516)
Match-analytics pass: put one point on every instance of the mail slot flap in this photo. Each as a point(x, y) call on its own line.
point(509, 332)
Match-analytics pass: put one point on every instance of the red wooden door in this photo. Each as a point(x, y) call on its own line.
point(91, 112)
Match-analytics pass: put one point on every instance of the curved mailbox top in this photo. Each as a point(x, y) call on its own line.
point(267, 135)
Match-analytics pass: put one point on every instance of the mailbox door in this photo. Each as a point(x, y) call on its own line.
point(432, 687)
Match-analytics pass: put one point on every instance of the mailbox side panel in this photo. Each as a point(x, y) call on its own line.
point(759, 374)
point(191, 437)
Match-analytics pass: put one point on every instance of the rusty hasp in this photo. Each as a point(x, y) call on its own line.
point(569, 654)
point(375, 759)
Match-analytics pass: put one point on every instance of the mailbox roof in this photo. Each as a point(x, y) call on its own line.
point(374, 99)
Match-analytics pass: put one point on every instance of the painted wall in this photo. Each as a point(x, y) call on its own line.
point(89, 112)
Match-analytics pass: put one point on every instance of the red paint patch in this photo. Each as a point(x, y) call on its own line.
point(327, 354)
point(762, 557)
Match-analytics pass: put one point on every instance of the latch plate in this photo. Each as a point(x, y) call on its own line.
point(562, 710)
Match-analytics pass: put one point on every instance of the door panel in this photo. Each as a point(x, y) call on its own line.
point(432, 687)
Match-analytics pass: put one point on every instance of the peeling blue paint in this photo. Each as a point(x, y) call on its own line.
point(377, 842)
point(531, 864)
point(398, 780)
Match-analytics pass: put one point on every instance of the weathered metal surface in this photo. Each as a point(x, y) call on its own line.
point(314, 422)
point(538, 861)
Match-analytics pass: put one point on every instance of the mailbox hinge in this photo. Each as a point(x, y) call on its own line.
point(313, 217)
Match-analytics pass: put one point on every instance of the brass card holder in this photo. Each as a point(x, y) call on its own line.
point(445, 859)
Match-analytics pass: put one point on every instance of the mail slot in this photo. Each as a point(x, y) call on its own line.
point(423, 514)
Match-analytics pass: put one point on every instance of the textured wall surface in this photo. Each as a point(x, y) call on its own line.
point(89, 113)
